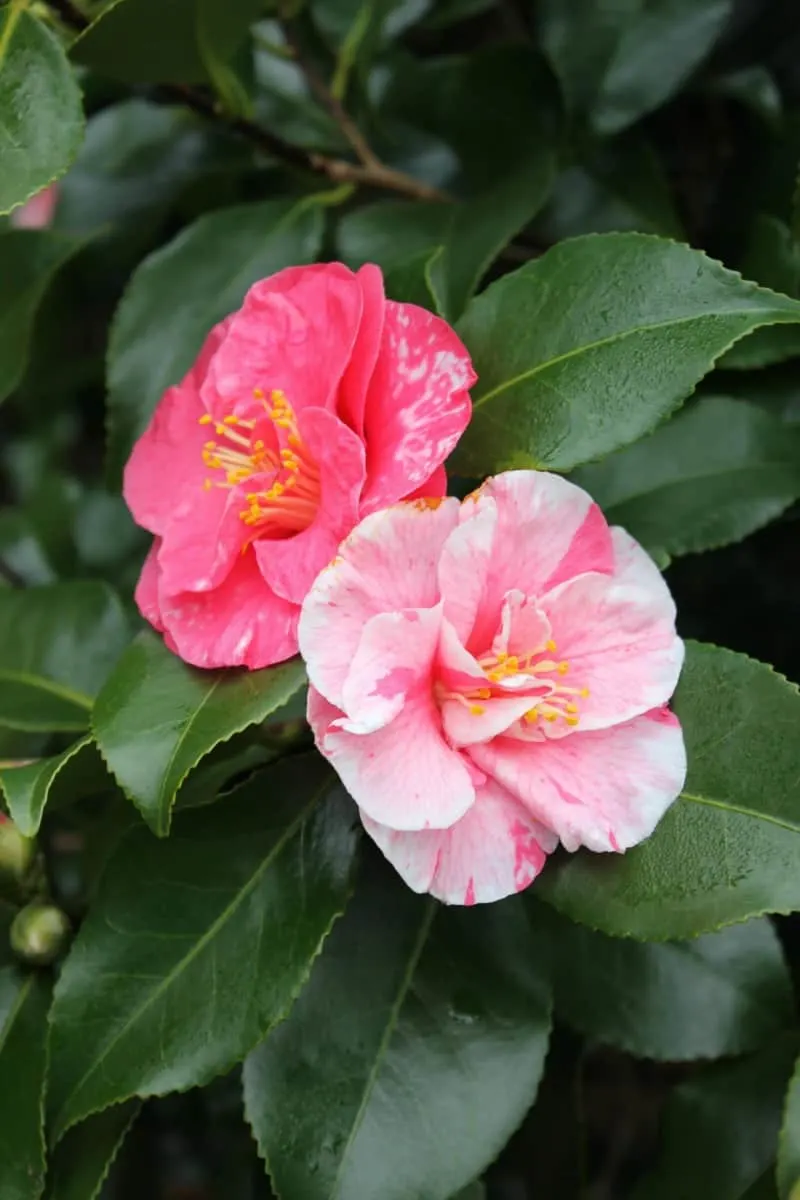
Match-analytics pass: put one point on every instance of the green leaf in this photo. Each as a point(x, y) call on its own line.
point(773, 258)
point(721, 994)
point(788, 1171)
point(391, 232)
point(720, 1129)
point(82, 1160)
point(57, 645)
point(121, 42)
point(41, 114)
point(713, 474)
point(24, 1000)
point(72, 775)
point(157, 333)
point(197, 945)
point(591, 346)
point(411, 1055)
point(617, 62)
point(156, 718)
point(729, 848)
point(28, 261)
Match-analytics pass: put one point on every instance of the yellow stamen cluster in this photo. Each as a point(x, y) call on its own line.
point(558, 704)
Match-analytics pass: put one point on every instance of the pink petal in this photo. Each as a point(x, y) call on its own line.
point(618, 636)
point(146, 594)
point(356, 379)
point(404, 775)
point(38, 212)
point(393, 658)
point(294, 333)
point(464, 565)
point(434, 486)
point(605, 789)
point(547, 529)
point(239, 623)
point(202, 541)
point(290, 565)
point(418, 403)
point(388, 563)
point(496, 849)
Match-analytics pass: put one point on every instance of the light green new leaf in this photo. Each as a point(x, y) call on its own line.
point(617, 62)
point(156, 718)
point(77, 772)
point(411, 1055)
point(148, 41)
point(713, 474)
point(591, 346)
point(24, 1001)
point(157, 333)
point(28, 261)
point(721, 994)
point(788, 1172)
point(57, 645)
point(80, 1163)
point(196, 945)
point(41, 113)
point(729, 848)
point(719, 1130)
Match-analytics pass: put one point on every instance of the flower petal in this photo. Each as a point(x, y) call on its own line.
point(496, 849)
point(547, 530)
point(618, 636)
point(404, 775)
point(294, 333)
point(202, 540)
point(464, 565)
point(355, 381)
point(388, 563)
point(394, 656)
point(240, 623)
point(290, 565)
point(606, 789)
point(417, 405)
point(146, 594)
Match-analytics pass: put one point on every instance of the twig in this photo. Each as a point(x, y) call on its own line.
point(370, 172)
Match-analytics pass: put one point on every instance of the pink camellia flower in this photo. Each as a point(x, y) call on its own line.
point(490, 678)
point(315, 404)
point(38, 212)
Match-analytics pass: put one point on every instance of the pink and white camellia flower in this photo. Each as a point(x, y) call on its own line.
point(316, 403)
point(491, 678)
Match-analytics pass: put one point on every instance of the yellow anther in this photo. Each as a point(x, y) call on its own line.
point(562, 668)
point(206, 419)
point(512, 663)
point(477, 710)
point(258, 393)
point(551, 716)
point(584, 692)
point(502, 656)
point(571, 708)
point(207, 485)
point(571, 720)
point(551, 646)
point(532, 715)
point(484, 693)
point(230, 420)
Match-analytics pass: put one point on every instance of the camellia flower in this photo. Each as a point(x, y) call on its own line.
point(38, 212)
point(316, 403)
point(490, 678)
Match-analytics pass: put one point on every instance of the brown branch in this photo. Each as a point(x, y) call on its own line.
point(370, 172)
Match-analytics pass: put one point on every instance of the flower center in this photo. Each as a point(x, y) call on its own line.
point(289, 502)
point(535, 673)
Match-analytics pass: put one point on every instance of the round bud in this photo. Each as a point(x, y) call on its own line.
point(16, 852)
point(39, 933)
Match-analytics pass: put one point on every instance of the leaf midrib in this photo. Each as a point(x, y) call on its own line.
point(725, 806)
point(698, 477)
point(79, 699)
point(622, 336)
point(227, 913)
point(391, 1024)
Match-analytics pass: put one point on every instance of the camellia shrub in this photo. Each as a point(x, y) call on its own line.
point(399, 598)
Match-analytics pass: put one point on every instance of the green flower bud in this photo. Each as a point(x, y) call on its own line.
point(39, 933)
point(16, 852)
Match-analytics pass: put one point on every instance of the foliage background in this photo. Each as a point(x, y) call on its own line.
point(456, 143)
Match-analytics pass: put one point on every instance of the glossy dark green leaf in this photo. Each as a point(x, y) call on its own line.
point(156, 718)
point(41, 114)
point(28, 261)
point(720, 1129)
point(57, 645)
point(773, 258)
point(729, 848)
point(721, 994)
point(24, 1000)
point(391, 232)
point(619, 61)
point(591, 346)
point(711, 475)
point(788, 1172)
point(411, 1055)
point(81, 1161)
point(72, 775)
point(157, 332)
point(121, 43)
point(196, 945)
